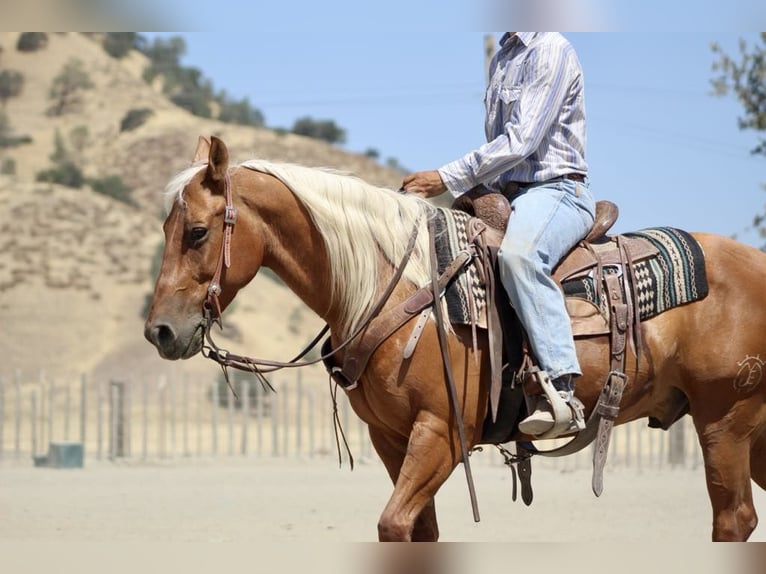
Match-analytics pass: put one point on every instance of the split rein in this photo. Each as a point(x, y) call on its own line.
point(259, 367)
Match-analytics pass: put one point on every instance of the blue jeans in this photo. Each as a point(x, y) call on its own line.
point(547, 220)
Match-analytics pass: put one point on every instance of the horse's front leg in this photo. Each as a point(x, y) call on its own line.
point(418, 468)
point(392, 450)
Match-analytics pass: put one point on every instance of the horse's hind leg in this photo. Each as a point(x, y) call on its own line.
point(758, 460)
point(427, 460)
point(727, 471)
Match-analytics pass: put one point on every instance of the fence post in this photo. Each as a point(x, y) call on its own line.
point(83, 411)
point(41, 405)
point(260, 397)
point(284, 417)
point(2, 415)
point(214, 414)
point(33, 418)
point(200, 403)
point(117, 419)
point(230, 417)
point(173, 418)
point(17, 414)
point(100, 421)
point(161, 385)
point(676, 444)
point(185, 415)
point(299, 413)
point(245, 390)
point(51, 404)
point(274, 411)
point(312, 406)
point(145, 420)
point(67, 407)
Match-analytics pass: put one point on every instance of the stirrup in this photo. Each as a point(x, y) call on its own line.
point(554, 414)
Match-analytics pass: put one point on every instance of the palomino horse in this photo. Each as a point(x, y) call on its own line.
point(335, 241)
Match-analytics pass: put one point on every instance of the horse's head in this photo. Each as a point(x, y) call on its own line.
point(188, 284)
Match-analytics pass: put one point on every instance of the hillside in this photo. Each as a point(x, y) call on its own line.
point(75, 265)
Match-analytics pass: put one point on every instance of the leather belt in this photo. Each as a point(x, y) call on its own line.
point(513, 186)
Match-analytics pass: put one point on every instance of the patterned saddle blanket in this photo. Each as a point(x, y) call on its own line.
point(674, 275)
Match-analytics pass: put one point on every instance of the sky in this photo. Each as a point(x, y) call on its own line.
point(660, 145)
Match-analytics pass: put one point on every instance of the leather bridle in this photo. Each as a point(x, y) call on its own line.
point(212, 301)
point(212, 305)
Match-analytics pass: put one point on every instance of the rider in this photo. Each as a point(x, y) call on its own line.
point(535, 155)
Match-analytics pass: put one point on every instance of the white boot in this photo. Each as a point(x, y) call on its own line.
point(541, 421)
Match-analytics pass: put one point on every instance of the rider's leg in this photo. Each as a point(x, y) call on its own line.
point(546, 221)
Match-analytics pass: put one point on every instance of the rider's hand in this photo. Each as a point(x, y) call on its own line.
point(424, 183)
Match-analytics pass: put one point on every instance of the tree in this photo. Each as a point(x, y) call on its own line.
point(165, 56)
point(745, 77)
point(66, 90)
point(238, 111)
point(118, 44)
point(11, 83)
point(32, 41)
point(325, 130)
point(135, 118)
point(7, 139)
point(64, 171)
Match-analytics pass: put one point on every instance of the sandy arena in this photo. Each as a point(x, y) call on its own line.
point(269, 499)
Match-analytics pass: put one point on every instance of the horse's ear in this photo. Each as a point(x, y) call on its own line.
point(218, 159)
point(203, 150)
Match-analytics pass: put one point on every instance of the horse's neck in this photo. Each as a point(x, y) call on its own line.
point(293, 247)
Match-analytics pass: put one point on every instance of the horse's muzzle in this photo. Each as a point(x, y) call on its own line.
point(168, 342)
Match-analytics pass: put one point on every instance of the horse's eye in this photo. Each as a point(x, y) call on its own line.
point(197, 234)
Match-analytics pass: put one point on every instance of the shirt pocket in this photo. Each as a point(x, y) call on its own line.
point(509, 95)
point(507, 98)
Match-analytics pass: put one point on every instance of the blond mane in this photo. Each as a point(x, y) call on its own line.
point(360, 223)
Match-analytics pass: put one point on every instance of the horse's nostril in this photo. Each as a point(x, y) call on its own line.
point(161, 335)
point(165, 335)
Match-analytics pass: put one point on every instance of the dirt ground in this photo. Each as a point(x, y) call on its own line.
point(279, 500)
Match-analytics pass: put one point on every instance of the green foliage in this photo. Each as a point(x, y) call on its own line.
point(13, 141)
point(744, 76)
point(7, 139)
point(393, 163)
point(118, 44)
point(325, 130)
point(238, 112)
point(114, 187)
point(185, 86)
point(11, 84)
point(164, 56)
point(8, 166)
point(194, 101)
point(68, 85)
point(79, 137)
point(372, 153)
point(135, 118)
point(65, 173)
point(189, 89)
point(32, 41)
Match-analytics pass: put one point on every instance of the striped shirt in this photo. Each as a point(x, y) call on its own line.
point(535, 116)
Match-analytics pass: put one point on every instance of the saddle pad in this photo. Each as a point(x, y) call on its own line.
point(451, 238)
point(675, 276)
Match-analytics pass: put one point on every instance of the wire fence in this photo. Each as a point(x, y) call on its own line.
point(170, 418)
